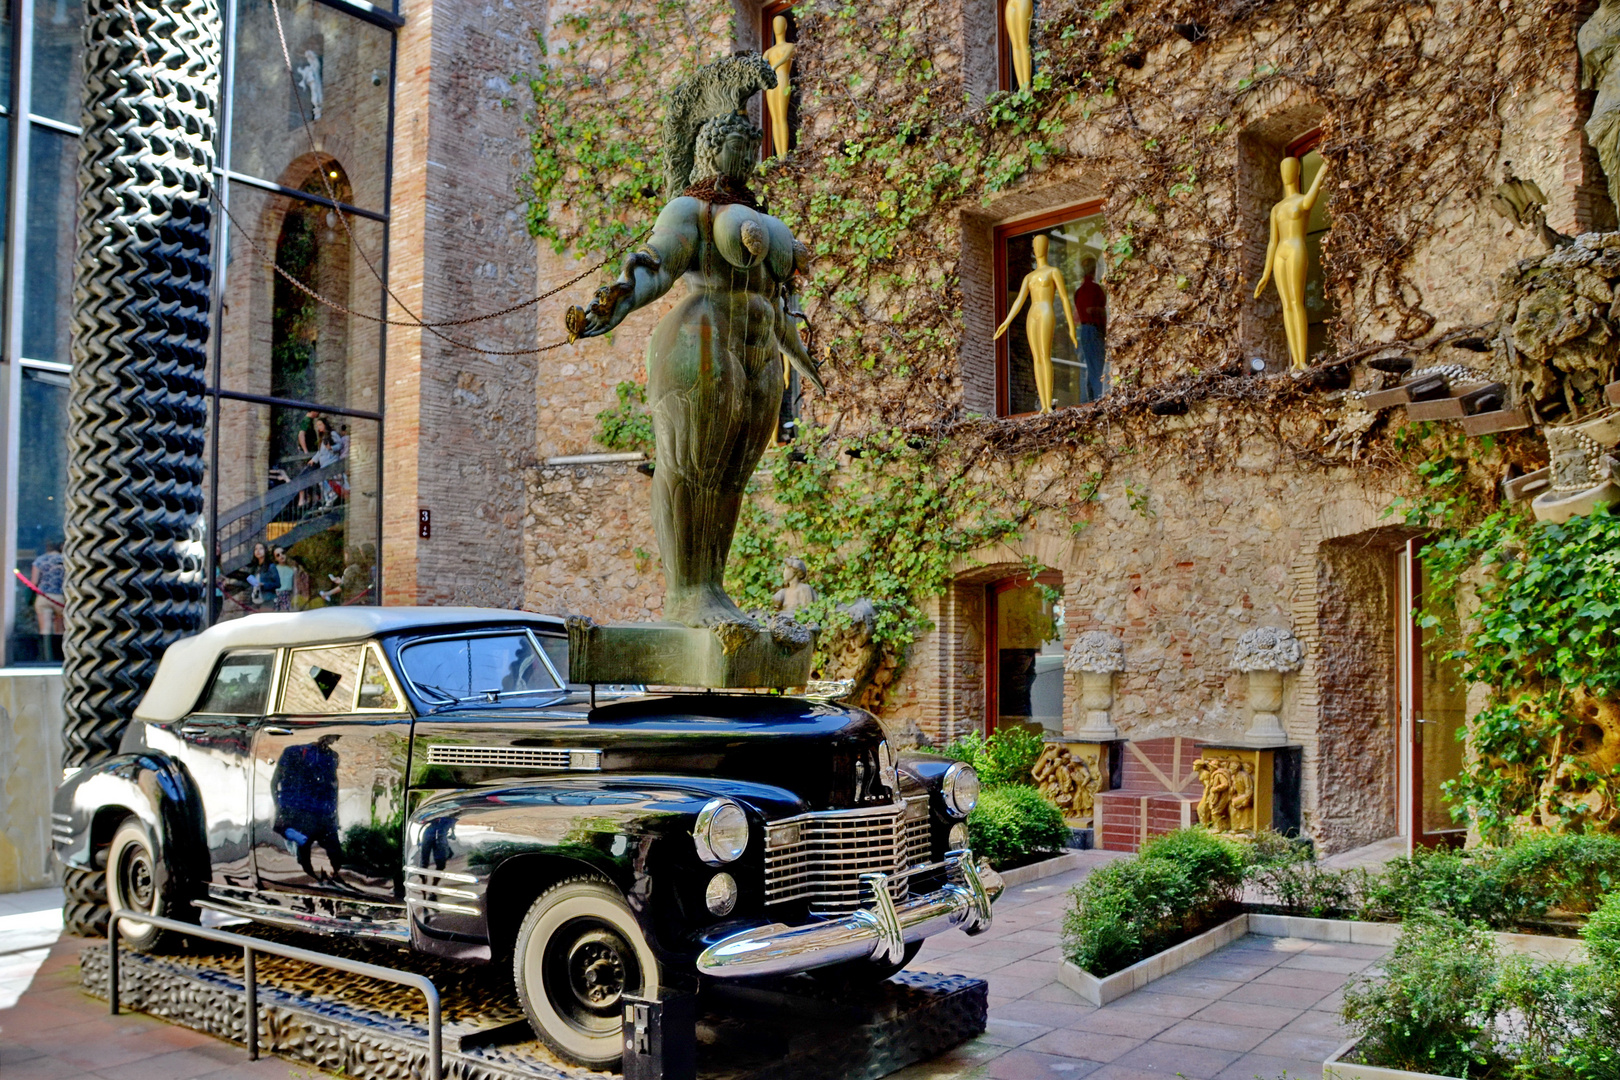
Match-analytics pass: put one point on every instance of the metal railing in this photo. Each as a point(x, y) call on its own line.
point(250, 982)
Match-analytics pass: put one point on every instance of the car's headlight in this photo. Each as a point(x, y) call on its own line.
point(961, 789)
point(720, 832)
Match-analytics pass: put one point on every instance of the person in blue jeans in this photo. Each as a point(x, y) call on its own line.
point(1091, 307)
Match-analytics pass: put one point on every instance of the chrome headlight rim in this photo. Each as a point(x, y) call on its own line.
point(717, 812)
point(955, 775)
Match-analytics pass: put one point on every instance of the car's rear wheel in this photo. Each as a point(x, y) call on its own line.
point(136, 881)
point(579, 952)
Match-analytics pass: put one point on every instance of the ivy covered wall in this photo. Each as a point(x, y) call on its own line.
point(1194, 500)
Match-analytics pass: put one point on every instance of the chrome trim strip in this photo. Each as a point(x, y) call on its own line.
point(392, 930)
point(442, 875)
point(440, 890)
point(562, 758)
point(435, 905)
point(879, 932)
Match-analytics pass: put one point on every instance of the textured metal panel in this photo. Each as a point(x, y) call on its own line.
point(136, 411)
point(821, 856)
point(514, 757)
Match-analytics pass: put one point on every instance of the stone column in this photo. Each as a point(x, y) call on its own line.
point(1096, 655)
point(1266, 653)
point(136, 410)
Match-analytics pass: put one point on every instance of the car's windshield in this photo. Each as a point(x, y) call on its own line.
point(482, 667)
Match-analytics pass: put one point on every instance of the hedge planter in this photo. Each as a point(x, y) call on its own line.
point(1337, 1068)
point(1095, 991)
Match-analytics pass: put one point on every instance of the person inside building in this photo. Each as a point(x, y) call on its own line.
point(48, 575)
point(1091, 306)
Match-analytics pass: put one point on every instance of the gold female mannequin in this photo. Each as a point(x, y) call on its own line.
point(1017, 17)
point(1040, 286)
point(1285, 255)
point(780, 57)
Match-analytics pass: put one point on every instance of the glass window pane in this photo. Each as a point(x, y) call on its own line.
point(58, 70)
point(341, 78)
point(241, 684)
point(53, 165)
point(5, 56)
point(296, 530)
point(1320, 305)
point(375, 690)
point(1078, 250)
point(1029, 660)
point(471, 668)
point(277, 340)
point(36, 637)
point(321, 682)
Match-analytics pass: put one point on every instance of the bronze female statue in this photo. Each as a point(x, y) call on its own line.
point(714, 381)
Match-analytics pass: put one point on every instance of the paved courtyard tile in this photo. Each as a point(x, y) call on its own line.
point(1252, 1011)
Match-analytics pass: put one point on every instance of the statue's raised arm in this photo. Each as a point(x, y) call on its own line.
point(648, 274)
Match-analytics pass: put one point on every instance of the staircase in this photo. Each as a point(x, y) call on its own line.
point(1158, 793)
point(276, 518)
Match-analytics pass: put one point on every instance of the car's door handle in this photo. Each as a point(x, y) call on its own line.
point(276, 729)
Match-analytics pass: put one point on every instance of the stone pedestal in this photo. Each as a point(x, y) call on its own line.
point(1265, 700)
point(1092, 720)
point(666, 654)
point(1071, 772)
point(1268, 788)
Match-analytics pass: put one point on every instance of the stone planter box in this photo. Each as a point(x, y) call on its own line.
point(1023, 875)
point(1336, 1068)
point(1100, 992)
point(1095, 991)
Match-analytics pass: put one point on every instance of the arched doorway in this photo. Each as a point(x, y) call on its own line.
point(1024, 653)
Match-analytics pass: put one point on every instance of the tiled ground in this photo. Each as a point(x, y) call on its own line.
point(1255, 1009)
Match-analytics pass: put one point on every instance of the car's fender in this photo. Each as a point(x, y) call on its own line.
point(475, 859)
point(153, 788)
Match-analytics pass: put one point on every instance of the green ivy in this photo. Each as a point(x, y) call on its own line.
point(627, 426)
point(889, 526)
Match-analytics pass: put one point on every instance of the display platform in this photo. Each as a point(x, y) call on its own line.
point(369, 1030)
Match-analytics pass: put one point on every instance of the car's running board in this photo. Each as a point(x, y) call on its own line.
point(394, 931)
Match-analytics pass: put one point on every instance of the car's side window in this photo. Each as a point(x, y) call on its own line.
point(241, 684)
point(376, 689)
point(556, 648)
point(321, 682)
point(469, 668)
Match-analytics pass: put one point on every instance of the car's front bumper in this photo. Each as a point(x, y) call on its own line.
point(880, 932)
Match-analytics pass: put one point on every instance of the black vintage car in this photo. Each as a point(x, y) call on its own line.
point(426, 776)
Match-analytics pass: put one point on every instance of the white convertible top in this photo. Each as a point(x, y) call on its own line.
point(187, 665)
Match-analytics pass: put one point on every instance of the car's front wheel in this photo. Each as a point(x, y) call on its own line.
point(579, 952)
point(137, 882)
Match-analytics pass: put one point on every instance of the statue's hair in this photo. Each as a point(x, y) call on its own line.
point(711, 140)
point(718, 89)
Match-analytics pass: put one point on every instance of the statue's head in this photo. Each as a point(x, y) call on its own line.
point(779, 26)
point(726, 146)
point(1040, 245)
point(1088, 267)
point(794, 569)
point(1290, 171)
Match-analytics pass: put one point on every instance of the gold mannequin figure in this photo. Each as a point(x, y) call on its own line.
point(1016, 17)
point(1039, 286)
point(780, 57)
point(1285, 255)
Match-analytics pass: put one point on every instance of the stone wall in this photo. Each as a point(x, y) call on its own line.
point(31, 720)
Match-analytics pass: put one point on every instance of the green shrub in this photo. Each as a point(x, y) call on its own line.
point(1460, 885)
point(1129, 910)
point(1571, 871)
point(1596, 1050)
point(1431, 1008)
point(1006, 757)
point(1013, 824)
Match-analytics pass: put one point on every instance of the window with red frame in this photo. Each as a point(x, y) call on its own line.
point(1077, 245)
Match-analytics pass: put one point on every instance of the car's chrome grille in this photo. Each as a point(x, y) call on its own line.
point(820, 857)
point(518, 757)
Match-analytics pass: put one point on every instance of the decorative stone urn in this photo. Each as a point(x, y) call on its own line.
point(1096, 655)
point(1267, 653)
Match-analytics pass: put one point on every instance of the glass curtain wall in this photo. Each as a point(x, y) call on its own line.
point(295, 440)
